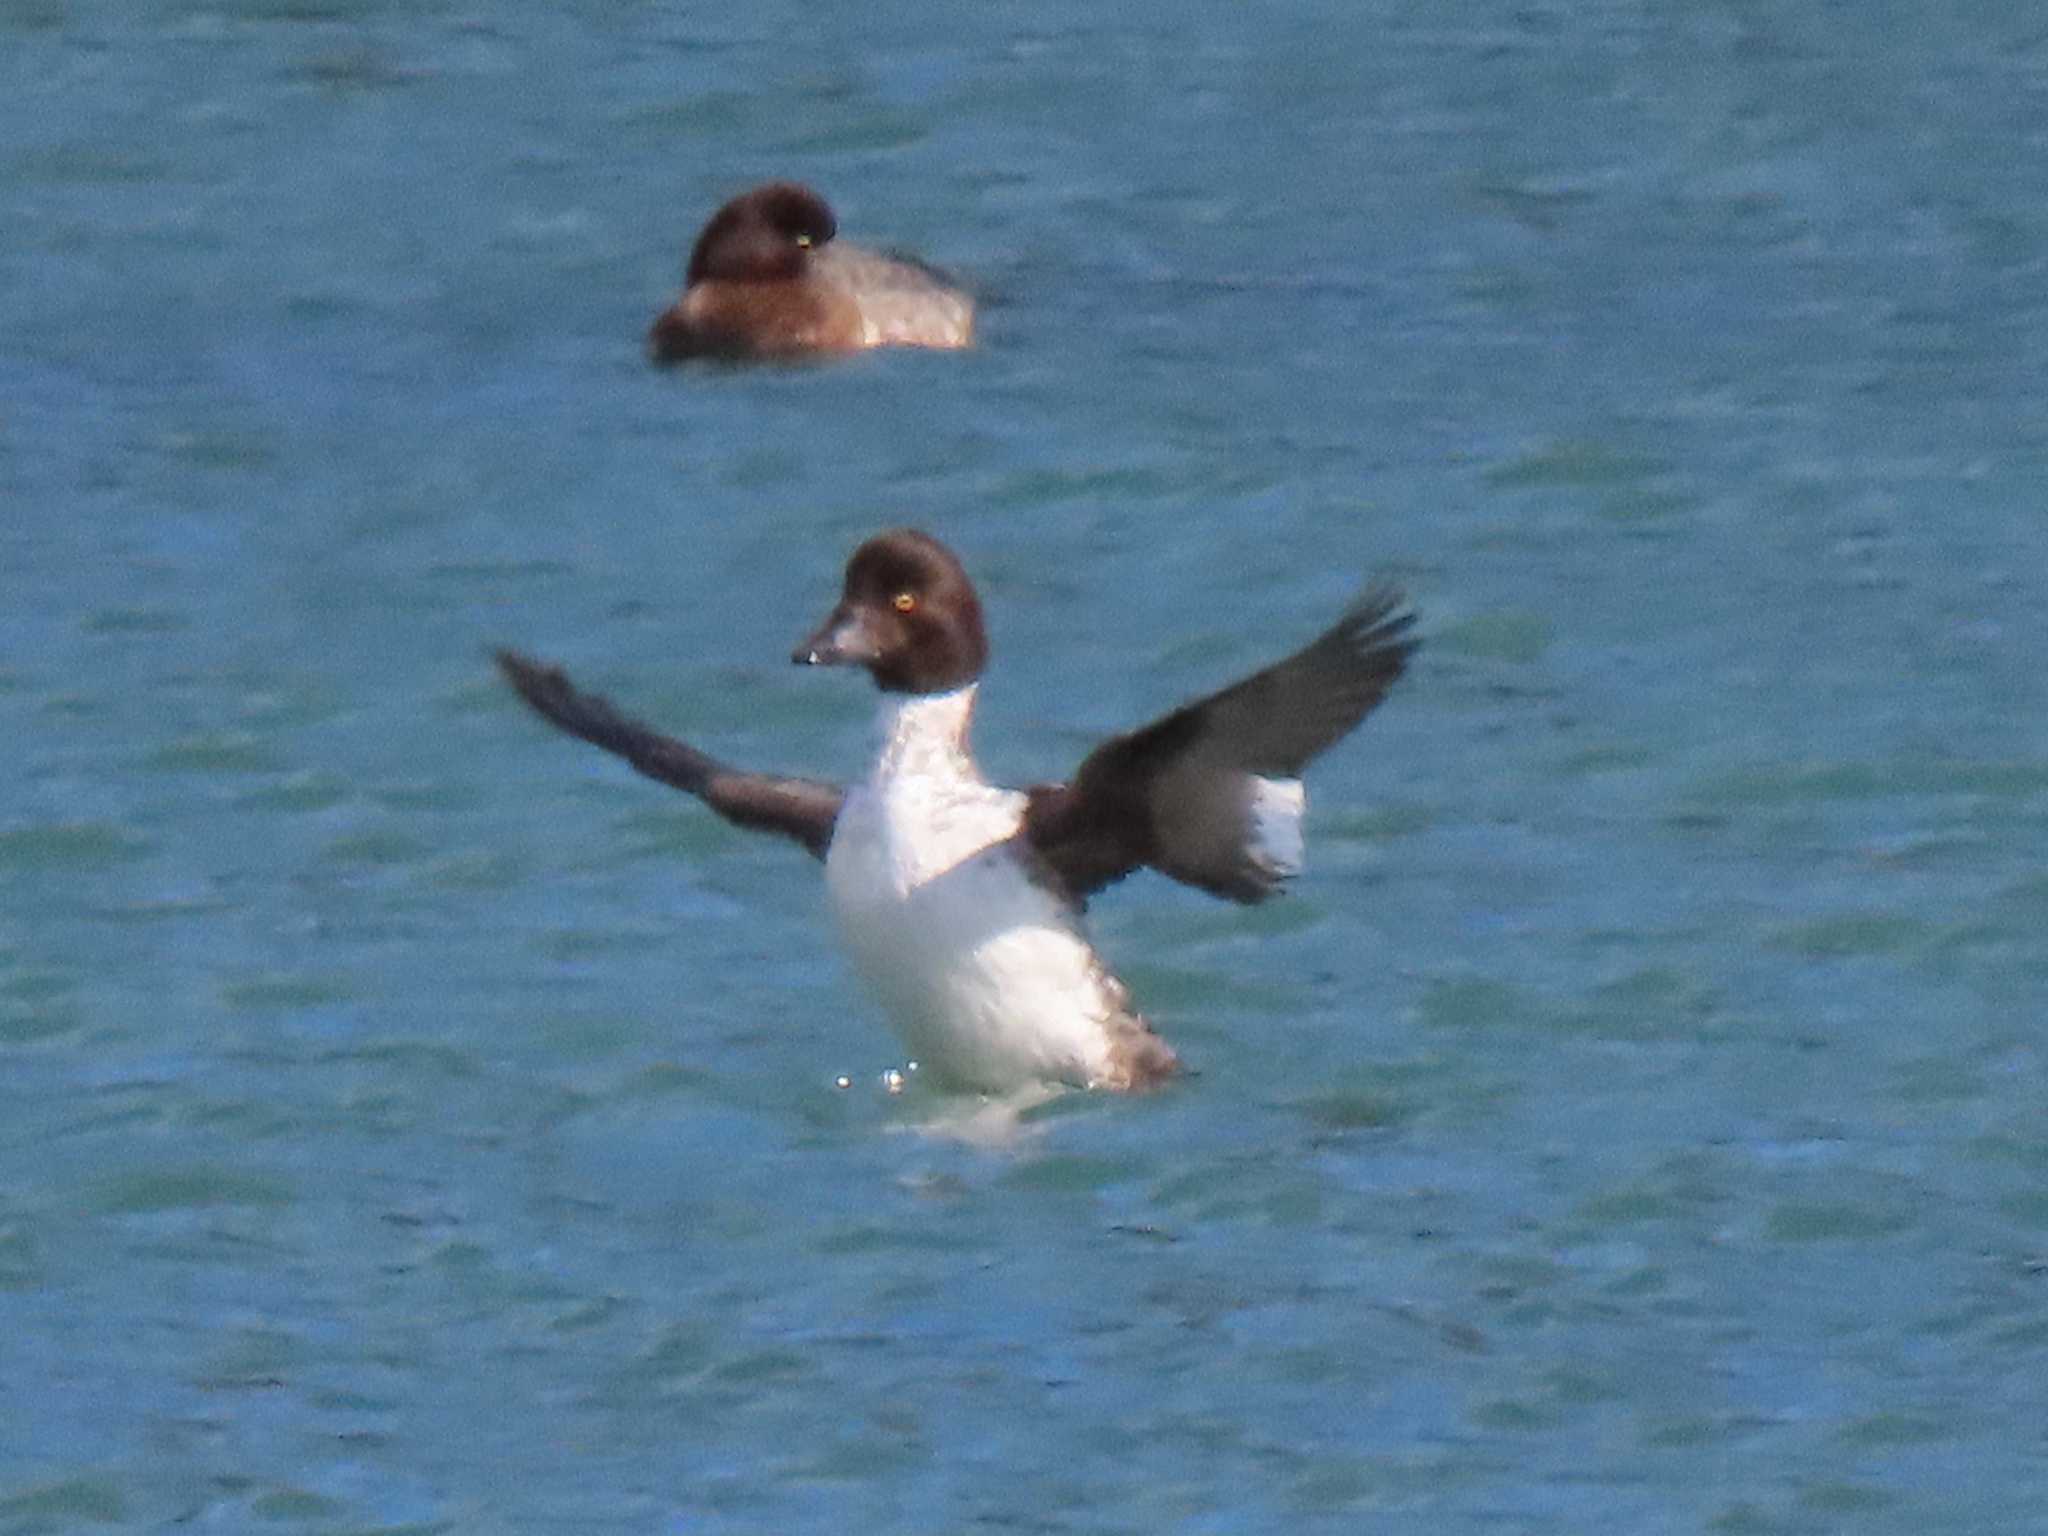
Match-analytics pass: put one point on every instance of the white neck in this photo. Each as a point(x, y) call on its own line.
point(925, 734)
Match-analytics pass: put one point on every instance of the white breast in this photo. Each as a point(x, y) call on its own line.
point(985, 975)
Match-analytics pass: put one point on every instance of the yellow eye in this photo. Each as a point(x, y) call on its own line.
point(903, 602)
point(804, 241)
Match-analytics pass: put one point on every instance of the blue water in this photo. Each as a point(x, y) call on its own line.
point(1635, 1121)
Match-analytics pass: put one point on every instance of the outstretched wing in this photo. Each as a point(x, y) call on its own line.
point(800, 808)
point(1211, 794)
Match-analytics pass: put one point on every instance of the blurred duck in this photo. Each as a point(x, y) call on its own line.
point(767, 280)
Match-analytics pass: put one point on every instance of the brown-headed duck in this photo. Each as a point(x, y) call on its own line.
point(961, 901)
point(767, 280)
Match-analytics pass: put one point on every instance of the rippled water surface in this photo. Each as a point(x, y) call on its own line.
point(1635, 1121)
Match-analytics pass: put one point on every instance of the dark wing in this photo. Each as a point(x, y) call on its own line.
point(1209, 794)
point(800, 808)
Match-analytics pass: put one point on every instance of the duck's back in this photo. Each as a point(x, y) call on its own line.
point(902, 303)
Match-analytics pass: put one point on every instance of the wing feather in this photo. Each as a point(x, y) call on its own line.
point(1187, 794)
point(803, 809)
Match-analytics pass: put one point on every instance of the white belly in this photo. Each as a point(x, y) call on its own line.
point(986, 977)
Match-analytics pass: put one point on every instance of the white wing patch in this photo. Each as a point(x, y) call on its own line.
point(1274, 810)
